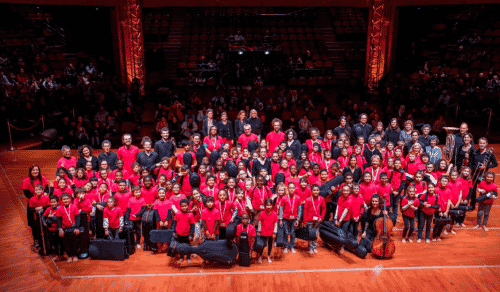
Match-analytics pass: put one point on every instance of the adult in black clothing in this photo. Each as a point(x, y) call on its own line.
point(414, 139)
point(261, 162)
point(255, 122)
point(368, 218)
point(208, 122)
point(109, 156)
point(239, 123)
point(482, 160)
point(293, 144)
point(463, 153)
point(353, 169)
point(85, 152)
point(425, 138)
point(392, 132)
point(165, 147)
point(342, 128)
point(147, 158)
point(370, 150)
point(361, 129)
point(459, 141)
point(175, 128)
point(225, 128)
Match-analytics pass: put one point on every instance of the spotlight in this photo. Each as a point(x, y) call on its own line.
point(266, 53)
point(240, 53)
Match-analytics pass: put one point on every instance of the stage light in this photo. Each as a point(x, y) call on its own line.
point(266, 53)
point(240, 53)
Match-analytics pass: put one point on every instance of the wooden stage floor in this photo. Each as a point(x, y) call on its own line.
point(469, 260)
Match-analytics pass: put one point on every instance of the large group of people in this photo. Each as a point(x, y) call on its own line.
point(237, 173)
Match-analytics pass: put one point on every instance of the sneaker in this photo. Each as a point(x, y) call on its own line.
point(269, 259)
point(485, 228)
point(409, 240)
point(138, 246)
point(427, 241)
point(457, 225)
point(439, 239)
point(463, 225)
point(311, 252)
point(404, 241)
point(193, 256)
point(75, 259)
point(453, 232)
point(434, 239)
point(341, 251)
point(293, 250)
point(315, 251)
point(188, 262)
point(285, 250)
point(475, 227)
point(259, 260)
point(419, 240)
point(445, 232)
point(179, 262)
point(70, 259)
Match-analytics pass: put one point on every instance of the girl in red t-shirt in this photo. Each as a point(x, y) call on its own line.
point(488, 190)
point(409, 205)
point(267, 228)
point(68, 225)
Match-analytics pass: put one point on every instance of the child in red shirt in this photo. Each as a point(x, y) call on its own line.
point(135, 175)
point(289, 215)
point(303, 191)
point(384, 189)
point(184, 227)
point(367, 188)
point(135, 206)
point(210, 190)
point(358, 207)
point(81, 178)
point(267, 228)
point(314, 212)
point(488, 189)
point(62, 187)
point(148, 191)
point(196, 207)
point(313, 179)
point(37, 204)
point(122, 195)
point(409, 205)
point(164, 209)
point(227, 212)
point(49, 220)
point(210, 219)
point(68, 224)
point(249, 229)
point(113, 219)
point(176, 198)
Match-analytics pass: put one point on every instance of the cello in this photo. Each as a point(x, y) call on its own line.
point(383, 245)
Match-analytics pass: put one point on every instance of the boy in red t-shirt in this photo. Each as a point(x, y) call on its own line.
point(68, 224)
point(136, 205)
point(357, 209)
point(184, 227)
point(249, 229)
point(113, 219)
point(488, 189)
point(343, 213)
point(227, 212)
point(36, 204)
point(49, 221)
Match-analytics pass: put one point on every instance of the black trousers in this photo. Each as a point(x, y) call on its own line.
point(113, 233)
point(269, 240)
point(353, 228)
point(424, 220)
point(70, 241)
point(56, 243)
point(222, 232)
point(409, 226)
point(438, 228)
point(330, 210)
point(137, 230)
point(84, 237)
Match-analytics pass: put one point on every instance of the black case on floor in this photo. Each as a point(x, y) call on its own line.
point(335, 236)
point(306, 233)
point(280, 236)
point(161, 235)
point(244, 257)
point(128, 236)
point(103, 249)
point(259, 245)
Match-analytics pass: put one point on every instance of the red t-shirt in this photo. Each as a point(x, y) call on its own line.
point(214, 192)
point(385, 192)
point(125, 174)
point(295, 180)
point(259, 196)
point(180, 157)
point(303, 193)
point(455, 188)
point(492, 187)
point(310, 144)
point(375, 173)
point(357, 205)
point(149, 195)
point(183, 225)
point(314, 207)
point(128, 156)
point(43, 201)
point(241, 207)
point(99, 198)
point(58, 192)
point(290, 207)
point(200, 206)
point(250, 230)
point(122, 199)
point(213, 144)
point(210, 216)
point(344, 204)
point(367, 191)
point(267, 222)
point(432, 200)
point(80, 183)
point(409, 212)
point(162, 207)
point(315, 157)
point(47, 212)
point(84, 206)
point(134, 178)
point(67, 163)
point(135, 206)
point(113, 216)
point(274, 139)
point(444, 196)
point(68, 215)
point(343, 161)
point(314, 179)
point(226, 211)
point(326, 164)
point(244, 139)
point(169, 173)
point(176, 201)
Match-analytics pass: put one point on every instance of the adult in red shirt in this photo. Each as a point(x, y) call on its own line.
point(274, 138)
point(128, 152)
point(213, 141)
point(67, 160)
point(247, 136)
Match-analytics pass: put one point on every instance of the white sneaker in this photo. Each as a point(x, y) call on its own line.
point(269, 260)
point(439, 239)
point(475, 227)
point(285, 250)
point(409, 240)
point(138, 246)
point(315, 251)
point(485, 228)
point(453, 232)
point(75, 259)
point(311, 252)
point(70, 259)
point(419, 240)
point(259, 260)
point(433, 239)
point(445, 232)
point(403, 241)
point(188, 262)
point(293, 250)
point(427, 241)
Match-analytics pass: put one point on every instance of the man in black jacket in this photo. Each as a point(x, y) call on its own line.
point(107, 155)
point(164, 147)
point(361, 129)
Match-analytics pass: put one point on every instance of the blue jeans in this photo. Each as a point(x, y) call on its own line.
point(289, 231)
point(483, 212)
point(314, 243)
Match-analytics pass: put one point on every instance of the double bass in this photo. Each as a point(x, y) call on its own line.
point(383, 245)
